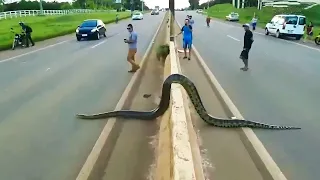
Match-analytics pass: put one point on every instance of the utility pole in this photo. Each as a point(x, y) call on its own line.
point(131, 2)
point(41, 8)
point(142, 4)
point(208, 4)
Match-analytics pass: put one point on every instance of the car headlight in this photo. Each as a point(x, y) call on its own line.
point(77, 30)
point(94, 30)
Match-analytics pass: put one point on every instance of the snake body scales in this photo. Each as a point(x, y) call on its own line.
point(196, 101)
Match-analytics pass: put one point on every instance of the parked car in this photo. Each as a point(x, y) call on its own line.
point(137, 16)
point(91, 28)
point(232, 17)
point(155, 12)
point(286, 25)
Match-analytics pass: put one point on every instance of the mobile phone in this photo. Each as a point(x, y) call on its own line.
point(124, 39)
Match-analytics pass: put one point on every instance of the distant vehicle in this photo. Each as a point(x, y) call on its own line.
point(137, 16)
point(199, 11)
point(232, 17)
point(91, 28)
point(155, 12)
point(286, 25)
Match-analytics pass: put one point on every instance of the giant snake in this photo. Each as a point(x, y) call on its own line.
point(196, 101)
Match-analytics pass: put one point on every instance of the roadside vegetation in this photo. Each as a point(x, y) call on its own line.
point(46, 27)
point(265, 15)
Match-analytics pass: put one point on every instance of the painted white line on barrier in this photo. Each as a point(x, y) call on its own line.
point(233, 38)
point(30, 52)
point(182, 154)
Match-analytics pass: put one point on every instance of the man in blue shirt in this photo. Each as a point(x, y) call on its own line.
point(187, 38)
point(132, 43)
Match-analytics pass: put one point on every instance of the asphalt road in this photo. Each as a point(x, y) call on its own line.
point(42, 91)
point(282, 87)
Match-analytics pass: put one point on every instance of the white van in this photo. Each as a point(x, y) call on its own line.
point(286, 25)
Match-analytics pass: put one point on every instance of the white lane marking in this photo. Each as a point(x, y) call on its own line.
point(48, 69)
point(98, 44)
point(302, 45)
point(40, 49)
point(233, 38)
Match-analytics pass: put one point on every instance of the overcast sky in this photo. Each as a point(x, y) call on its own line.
point(165, 3)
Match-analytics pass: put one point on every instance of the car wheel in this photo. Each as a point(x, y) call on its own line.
point(278, 35)
point(78, 38)
point(298, 37)
point(266, 31)
point(97, 36)
point(317, 40)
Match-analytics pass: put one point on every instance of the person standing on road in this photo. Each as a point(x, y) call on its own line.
point(28, 30)
point(132, 42)
point(191, 21)
point(208, 21)
point(187, 38)
point(248, 40)
point(254, 22)
point(309, 34)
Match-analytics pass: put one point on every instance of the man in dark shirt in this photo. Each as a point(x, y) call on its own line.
point(248, 40)
point(28, 30)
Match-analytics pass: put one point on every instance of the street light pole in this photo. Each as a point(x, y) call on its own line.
point(41, 8)
point(142, 4)
point(131, 2)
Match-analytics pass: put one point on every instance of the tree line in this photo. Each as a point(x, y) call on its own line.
point(76, 4)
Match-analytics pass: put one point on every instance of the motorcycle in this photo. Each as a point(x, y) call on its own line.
point(317, 40)
point(18, 39)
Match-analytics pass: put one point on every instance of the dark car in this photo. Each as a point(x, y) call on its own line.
point(154, 12)
point(91, 28)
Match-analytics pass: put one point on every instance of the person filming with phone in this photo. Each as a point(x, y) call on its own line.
point(132, 43)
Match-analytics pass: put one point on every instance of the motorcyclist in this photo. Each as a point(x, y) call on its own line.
point(28, 30)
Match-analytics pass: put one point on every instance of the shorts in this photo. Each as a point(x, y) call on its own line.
point(244, 54)
point(132, 53)
point(187, 43)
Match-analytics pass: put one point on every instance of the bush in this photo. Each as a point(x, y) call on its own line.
point(46, 27)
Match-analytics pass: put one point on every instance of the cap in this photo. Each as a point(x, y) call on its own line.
point(246, 25)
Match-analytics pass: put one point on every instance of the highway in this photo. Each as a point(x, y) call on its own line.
point(281, 87)
point(43, 87)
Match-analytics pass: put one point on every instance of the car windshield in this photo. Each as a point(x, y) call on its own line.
point(89, 24)
point(136, 13)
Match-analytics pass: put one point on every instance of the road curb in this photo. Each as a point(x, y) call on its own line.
point(110, 132)
point(260, 156)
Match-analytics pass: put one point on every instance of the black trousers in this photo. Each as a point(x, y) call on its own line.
point(28, 38)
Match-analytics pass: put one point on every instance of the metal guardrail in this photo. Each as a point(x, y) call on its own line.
point(24, 13)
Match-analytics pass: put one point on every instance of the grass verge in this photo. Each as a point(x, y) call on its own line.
point(46, 27)
point(265, 15)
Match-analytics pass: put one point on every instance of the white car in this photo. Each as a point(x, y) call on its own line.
point(286, 25)
point(199, 11)
point(137, 16)
point(232, 17)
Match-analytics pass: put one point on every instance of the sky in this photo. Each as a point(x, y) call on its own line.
point(165, 3)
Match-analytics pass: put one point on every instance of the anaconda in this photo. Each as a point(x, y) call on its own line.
point(192, 92)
